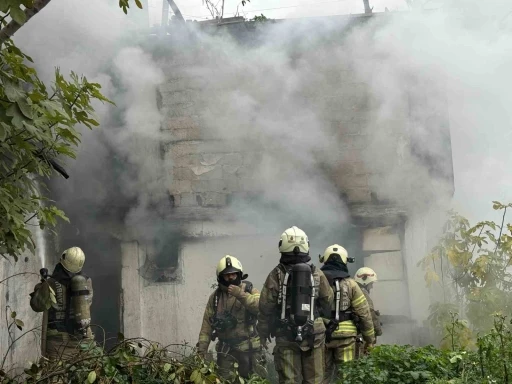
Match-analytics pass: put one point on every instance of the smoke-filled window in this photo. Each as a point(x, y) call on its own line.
point(162, 260)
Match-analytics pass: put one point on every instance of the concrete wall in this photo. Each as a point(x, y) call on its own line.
point(14, 296)
point(173, 312)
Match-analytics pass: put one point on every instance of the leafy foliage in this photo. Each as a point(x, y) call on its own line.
point(131, 360)
point(490, 363)
point(399, 364)
point(36, 127)
point(470, 266)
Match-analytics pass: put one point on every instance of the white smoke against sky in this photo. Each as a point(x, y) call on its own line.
point(459, 49)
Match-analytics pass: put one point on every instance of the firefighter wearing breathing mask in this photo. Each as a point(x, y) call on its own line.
point(291, 298)
point(230, 316)
point(365, 277)
point(349, 312)
point(65, 298)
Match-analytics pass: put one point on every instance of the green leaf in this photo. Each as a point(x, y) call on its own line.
point(496, 205)
point(13, 314)
point(19, 324)
point(139, 4)
point(15, 113)
point(18, 15)
point(167, 367)
point(91, 378)
point(3, 132)
point(28, 3)
point(25, 108)
point(12, 91)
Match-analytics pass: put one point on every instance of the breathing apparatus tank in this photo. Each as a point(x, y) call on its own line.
point(80, 303)
point(302, 305)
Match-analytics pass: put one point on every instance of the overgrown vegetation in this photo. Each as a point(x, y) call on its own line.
point(489, 363)
point(141, 361)
point(469, 271)
point(130, 361)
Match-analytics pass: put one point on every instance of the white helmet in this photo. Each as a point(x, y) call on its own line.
point(365, 276)
point(333, 250)
point(73, 259)
point(229, 264)
point(294, 240)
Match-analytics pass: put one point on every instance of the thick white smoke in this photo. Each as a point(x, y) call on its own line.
point(279, 89)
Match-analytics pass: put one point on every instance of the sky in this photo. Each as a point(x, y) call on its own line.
point(282, 9)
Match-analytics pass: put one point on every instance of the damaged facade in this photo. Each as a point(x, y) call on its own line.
point(213, 174)
point(218, 197)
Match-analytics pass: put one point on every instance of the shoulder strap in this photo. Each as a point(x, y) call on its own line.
point(216, 301)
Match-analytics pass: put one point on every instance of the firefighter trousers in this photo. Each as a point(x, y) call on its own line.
point(247, 362)
point(337, 352)
point(295, 366)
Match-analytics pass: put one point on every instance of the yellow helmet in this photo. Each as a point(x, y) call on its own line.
point(333, 250)
point(365, 276)
point(73, 259)
point(229, 264)
point(294, 240)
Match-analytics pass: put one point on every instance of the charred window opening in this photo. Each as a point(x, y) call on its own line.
point(430, 134)
point(162, 260)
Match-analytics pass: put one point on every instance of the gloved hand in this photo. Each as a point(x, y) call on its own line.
point(263, 343)
point(235, 291)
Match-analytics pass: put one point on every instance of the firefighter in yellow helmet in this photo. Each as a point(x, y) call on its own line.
point(349, 308)
point(365, 277)
point(230, 316)
point(291, 298)
point(65, 297)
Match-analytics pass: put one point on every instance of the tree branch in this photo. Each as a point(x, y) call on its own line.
point(10, 29)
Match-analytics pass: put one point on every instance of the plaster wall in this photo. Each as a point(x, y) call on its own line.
point(14, 296)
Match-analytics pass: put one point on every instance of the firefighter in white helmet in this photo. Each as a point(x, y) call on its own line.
point(65, 297)
point(349, 311)
point(230, 316)
point(291, 298)
point(365, 277)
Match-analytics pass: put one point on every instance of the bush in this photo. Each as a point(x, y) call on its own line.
point(400, 364)
point(130, 361)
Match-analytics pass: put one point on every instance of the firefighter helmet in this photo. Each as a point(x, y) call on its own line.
point(365, 276)
point(294, 241)
point(229, 264)
point(73, 259)
point(333, 250)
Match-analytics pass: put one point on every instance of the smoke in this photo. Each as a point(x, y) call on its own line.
point(458, 54)
point(117, 174)
point(298, 118)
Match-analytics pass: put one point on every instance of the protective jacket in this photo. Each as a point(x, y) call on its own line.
point(353, 305)
point(62, 329)
point(375, 316)
point(270, 310)
point(231, 318)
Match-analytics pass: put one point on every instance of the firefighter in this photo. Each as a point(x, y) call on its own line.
point(289, 303)
point(65, 297)
point(349, 311)
point(365, 277)
point(231, 315)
